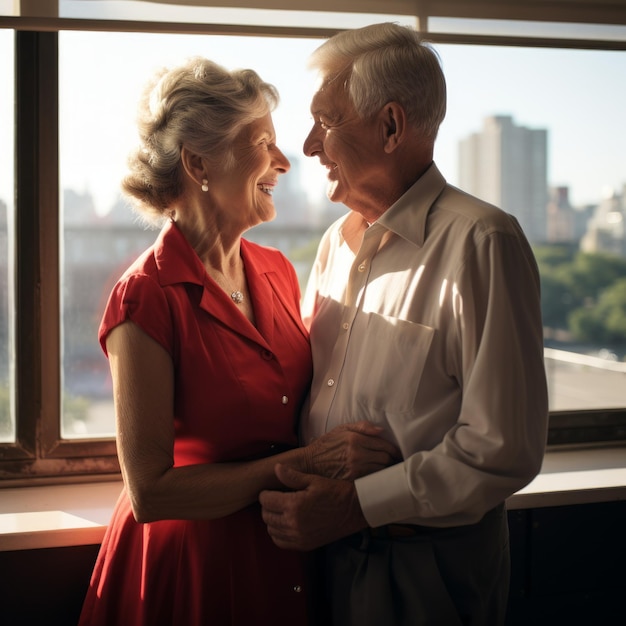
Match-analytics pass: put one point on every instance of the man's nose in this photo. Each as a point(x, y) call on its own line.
point(312, 144)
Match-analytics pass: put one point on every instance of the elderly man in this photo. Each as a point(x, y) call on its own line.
point(424, 310)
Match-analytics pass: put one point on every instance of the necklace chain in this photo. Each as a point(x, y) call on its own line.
point(235, 294)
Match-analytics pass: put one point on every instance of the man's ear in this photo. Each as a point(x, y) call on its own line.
point(194, 166)
point(394, 125)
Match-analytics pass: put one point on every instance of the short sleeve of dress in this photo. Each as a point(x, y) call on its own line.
point(140, 299)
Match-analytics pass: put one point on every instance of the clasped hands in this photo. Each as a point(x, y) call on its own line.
point(320, 504)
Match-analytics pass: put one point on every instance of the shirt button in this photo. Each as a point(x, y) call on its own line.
point(284, 399)
point(346, 326)
point(362, 267)
point(330, 382)
point(266, 355)
point(297, 588)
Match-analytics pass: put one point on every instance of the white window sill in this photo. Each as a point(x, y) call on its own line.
point(56, 516)
point(72, 515)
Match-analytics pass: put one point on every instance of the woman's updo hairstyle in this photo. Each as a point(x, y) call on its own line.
point(199, 105)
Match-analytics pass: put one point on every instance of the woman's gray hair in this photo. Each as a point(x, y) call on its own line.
point(385, 63)
point(199, 105)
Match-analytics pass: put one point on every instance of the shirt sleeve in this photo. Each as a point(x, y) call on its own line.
point(140, 299)
point(496, 445)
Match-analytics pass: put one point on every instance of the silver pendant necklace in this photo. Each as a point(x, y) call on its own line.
point(237, 297)
point(220, 278)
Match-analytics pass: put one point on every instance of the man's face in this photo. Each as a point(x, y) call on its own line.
point(349, 147)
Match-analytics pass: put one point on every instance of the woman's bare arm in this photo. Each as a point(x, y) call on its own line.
point(143, 388)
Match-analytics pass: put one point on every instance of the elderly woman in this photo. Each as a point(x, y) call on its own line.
point(210, 365)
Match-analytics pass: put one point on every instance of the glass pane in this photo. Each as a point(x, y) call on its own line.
point(521, 28)
point(100, 236)
point(523, 134)
point(7, 7)
point(7, 125)
point(577, 155)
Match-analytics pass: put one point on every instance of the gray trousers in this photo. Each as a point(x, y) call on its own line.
point(440, 576)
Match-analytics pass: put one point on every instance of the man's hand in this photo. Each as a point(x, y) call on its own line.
point(315, 512)
point(350, 451)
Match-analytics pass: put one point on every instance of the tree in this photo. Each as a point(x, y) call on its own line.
point(592, 273)
point(604, 322)
point(584, 293)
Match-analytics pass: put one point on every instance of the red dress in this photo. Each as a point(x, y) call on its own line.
point(239, 390)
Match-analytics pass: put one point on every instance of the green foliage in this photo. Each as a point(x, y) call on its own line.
point(305, 253)
point(556, 300)
point(584, 294)
point(75, 409)
point(553, 256)
point(606, 321)
point(592, 273)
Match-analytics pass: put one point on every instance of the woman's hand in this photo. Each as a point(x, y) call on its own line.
point(350, 451)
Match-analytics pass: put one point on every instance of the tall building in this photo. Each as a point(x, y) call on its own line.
point(507, 165)
point(606, 230)
point(561, 217)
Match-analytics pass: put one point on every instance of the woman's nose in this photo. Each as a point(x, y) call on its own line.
point(282, 162)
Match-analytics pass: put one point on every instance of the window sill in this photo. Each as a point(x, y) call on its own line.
point(71, 515)
point(56, 516)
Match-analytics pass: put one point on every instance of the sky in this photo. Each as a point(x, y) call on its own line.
point(578, 96)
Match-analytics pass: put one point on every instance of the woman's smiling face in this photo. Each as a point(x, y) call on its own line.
point(245, 189)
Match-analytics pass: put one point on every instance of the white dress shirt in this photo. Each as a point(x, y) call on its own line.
point(428, 323)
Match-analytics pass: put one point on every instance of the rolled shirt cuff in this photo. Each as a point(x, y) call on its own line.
point(385, 497)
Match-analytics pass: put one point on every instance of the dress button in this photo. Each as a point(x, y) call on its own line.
point(284, 399)
point(330, 382)
point(297, 588)
point(346, 326)
point(362, 267)
point(266, 355)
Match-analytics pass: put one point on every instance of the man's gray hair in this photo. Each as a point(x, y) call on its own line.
point(385, 63)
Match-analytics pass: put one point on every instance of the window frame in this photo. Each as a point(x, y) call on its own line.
point(40, 455)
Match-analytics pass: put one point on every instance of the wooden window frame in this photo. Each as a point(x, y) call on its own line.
point(40, 455)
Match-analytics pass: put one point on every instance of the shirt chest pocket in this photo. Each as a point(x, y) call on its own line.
point(386, 363)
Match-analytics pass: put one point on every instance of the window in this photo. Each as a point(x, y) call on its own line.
point(84, 235)
point(7, 119)
point(535, 131)
point(100, 235)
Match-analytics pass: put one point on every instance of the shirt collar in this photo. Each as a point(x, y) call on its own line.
point(407, 216)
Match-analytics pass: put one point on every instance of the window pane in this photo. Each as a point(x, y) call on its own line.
point(574, 154)
point(100, 236)
point(540, 133)
point(521, 28)
point(7, 125)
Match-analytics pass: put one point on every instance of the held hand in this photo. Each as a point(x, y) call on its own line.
point(350, 451)
point(317, 511)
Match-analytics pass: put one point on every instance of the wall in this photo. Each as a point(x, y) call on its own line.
point(568, 568)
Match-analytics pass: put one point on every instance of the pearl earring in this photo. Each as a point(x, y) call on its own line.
point(205, 184)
